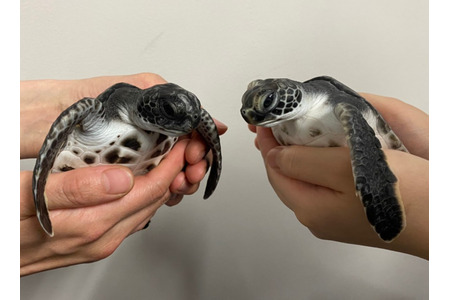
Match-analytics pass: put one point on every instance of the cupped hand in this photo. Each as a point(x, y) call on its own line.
point(93, 209)
point(317, 184)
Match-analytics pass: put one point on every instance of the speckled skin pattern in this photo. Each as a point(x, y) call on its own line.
point(323, 112)
point(124, 125)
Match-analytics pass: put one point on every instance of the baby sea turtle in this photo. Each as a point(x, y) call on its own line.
point(323, 112)
point(124, 125)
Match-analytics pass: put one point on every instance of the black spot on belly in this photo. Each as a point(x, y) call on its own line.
point(112, 143)
point(132, 143)
point(114, 158)
point(150, 167)
point(166, 147)
point(332, 143)
point(161, 138)
point(124, 159)
point(313, 132)
point(382, 126)
point(66, 168)
point(156, 153)
point(89, 159)
point(395, 143)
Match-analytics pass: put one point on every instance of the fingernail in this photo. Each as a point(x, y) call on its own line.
point(272, 157)
point(117, 181)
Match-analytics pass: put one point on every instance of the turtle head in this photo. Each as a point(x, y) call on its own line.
point(168, 109)
point(270, 101)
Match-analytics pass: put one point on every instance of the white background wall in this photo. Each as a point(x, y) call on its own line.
point(243, 243)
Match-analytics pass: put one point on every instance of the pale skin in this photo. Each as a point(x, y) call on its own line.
point(94, 209)
point(317, 183)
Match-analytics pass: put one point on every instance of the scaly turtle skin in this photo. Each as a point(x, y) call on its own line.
point(124, 125)
point(323, 112)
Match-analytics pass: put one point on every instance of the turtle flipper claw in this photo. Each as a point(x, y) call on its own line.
point(375, 183)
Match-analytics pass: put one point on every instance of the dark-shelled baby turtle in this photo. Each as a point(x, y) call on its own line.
point(124, 125)
point(323, 112)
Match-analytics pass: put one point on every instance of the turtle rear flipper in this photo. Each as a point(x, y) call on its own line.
point(375, 183)
point(53, 143)
point(208, 130)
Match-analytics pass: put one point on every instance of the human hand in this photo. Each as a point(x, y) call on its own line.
point(48, 98)
point(93, 210)
point(41, 102)
point(82, 191)
point(317, 183)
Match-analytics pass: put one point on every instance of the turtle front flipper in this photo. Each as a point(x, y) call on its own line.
point(54, 142)
point(375, 183)
point(208, 130)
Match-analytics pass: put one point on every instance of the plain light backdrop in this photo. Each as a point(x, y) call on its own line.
point(243, 243)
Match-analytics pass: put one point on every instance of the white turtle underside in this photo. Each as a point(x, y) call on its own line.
point(319, 127)
point(117, 143)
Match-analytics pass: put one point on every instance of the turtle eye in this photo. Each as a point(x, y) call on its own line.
point(171, 110)
point(168, 109)
point(267, 103)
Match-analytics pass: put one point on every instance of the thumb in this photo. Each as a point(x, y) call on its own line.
point(265, 140)
point(157, 182)
point(88, 186)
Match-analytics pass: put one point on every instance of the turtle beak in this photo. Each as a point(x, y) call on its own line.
point(251, 117)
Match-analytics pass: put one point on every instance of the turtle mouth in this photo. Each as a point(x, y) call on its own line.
point(178, 130)
point(252, 117)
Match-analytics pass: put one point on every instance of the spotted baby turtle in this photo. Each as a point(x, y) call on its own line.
point(323, 112)
point(124, 125)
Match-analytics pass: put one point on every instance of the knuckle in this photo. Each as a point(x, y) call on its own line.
point(94, 234)
point(313, 224)
point(288, 158)
point(104, 251)
point(73, 190)
point(100, 246)
point(160, 190)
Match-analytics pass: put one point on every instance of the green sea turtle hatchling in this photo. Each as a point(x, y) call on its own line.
point(124, 125)
point(323, 112)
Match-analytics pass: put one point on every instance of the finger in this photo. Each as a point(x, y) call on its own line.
point(221, 127)
point(174, 200)
point(92, 87)
point(149, 193)
point(265, 140)
point(157, 182)
point(328, 167)
point(153, 188)
point(197, 148)
point(88, 186)
point(181, 185)
point(255, 142)
point(399, 115)
point(252, 128)
point(195, 173)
